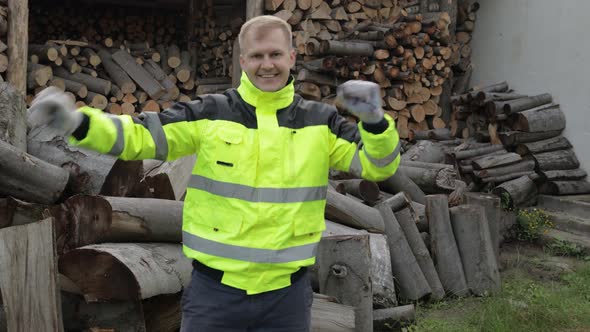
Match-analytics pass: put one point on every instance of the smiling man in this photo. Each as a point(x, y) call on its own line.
point(254, 209)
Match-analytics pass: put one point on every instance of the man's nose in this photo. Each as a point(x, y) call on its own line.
point(267, 62)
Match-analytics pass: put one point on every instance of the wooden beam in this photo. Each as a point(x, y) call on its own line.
point(18, 40)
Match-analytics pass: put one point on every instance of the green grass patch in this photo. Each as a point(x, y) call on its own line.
point(524, 304)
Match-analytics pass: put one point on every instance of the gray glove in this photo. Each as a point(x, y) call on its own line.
point(362, 99)
point(56, 110)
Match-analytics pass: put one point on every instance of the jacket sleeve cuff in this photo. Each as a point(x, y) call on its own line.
point(82, 130)
point(376, 128)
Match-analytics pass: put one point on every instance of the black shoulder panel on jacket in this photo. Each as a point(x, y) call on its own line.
point(211, 107)
point(304, 113)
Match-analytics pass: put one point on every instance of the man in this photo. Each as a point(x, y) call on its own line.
point(254, 209)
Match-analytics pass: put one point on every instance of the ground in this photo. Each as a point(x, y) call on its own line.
point(541, 291)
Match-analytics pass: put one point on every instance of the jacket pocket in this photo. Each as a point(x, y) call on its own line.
point(309, 224)
point(228, 148)
point(220, 221)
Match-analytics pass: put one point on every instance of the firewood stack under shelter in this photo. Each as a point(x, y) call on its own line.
point(125, 60)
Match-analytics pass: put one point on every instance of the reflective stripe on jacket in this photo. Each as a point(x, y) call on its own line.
point(255, 203)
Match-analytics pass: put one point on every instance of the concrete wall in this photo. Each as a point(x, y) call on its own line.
point(539, 46)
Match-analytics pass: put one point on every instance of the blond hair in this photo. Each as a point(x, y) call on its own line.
point(264, 22)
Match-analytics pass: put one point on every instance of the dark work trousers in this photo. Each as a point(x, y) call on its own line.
point(210, 306)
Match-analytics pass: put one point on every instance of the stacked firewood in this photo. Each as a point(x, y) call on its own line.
point(128, 64)
point(408, 55)
point(463, 68)
point(3, 41)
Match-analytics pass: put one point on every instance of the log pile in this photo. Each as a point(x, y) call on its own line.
point(407, 47)
point(126, 63)
point(463, 68)
point(520, 151)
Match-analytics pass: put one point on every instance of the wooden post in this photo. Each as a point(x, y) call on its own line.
point(345, 273)
point(237, 69)
point(18, 40)
point(29, 284)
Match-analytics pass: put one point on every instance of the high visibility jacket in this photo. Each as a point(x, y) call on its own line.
point(255, 203)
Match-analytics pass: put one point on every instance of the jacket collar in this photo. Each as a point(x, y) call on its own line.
point(259, 99)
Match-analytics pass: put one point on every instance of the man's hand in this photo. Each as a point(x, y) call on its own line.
point(53, 108)
point(362, 99)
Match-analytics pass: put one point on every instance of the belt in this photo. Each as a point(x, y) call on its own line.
point(218, 274)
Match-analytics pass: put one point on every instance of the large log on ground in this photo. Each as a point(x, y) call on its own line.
point(494, 215)
point(149, 84)
point(546, 145)
point(96, 219)
point(326, 315)
point(28, 277)
point(408, 225)
point(381, 272)
point(518, 105)
point(466, 154)
point(565, 187)
point(168, 180)
point(91, 173)
point(556, 160)
point(525, 165)
point(29, 178)
point(410, 278)
point(127, 271)
point(401, 182)
point(13, 126)
point(549, 119)
point(445, 253)
point(495, 160)
point(517, 193)
point(432, 181)
point(347, 211)
point(384, 319)
point(366, 190)
point(424, 151)
point(561, 175)
point(510, 138)
point(345, 274)
point(470, 228)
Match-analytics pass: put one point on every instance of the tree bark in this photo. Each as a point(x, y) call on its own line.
point(17, 41)
point(518, 192)
point(556, 160)
point(401, 182)
point(85, 220)
point(13, 126)
point(363, 189)
point(551, 144)
point(408, 225)
point(471, 153)
point(93, 84)
point(334, 47)
point(518, 105)
point(127, 271)
point(347, 277)
point(565, 187)
point(563, 175)
point(383, 319)
point(119, 76)
point(149, 84)
point(470, 228)
point(525, 165)
point(381, 272)
point(29, 178)
point(496, 160)
point(510, 138)
point(444, 249)
point(432, 180)
point(549, 119)
point(29, 286)
point(424, 151)
point(347, 211)
point(410, 278)
point(14, 212)
point(168, 180)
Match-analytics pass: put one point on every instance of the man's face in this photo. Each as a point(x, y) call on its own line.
point(267, 58)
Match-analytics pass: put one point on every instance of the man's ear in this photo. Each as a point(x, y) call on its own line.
point(292, 57)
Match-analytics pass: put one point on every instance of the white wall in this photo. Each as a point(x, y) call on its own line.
point(539, 46)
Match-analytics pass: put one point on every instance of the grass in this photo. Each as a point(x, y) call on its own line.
point(526, 303)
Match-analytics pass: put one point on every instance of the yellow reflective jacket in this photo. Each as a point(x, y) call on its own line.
point(255, 203)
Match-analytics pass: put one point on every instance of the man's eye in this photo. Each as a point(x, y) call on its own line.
point(276, 55)
point(257, 56)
